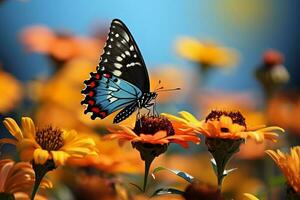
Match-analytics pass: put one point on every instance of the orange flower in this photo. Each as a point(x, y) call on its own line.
point(289, 165)
point(151, 136)
point(227, 125)
point(163, 133)
point(17, 179)
point(61, 46)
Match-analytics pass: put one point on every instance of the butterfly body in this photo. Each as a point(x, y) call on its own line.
point(121, 80)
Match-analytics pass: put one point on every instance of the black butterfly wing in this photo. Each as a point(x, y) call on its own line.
point(122, 57)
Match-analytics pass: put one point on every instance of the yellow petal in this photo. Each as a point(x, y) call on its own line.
point(173, 117)
point(59, 157)
point(40, 156)
point(78, 151)
point(28, 127)
point(12, 126)
point(250, 196)
point(189, 117)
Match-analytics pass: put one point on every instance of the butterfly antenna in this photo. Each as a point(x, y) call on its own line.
point(167, 90)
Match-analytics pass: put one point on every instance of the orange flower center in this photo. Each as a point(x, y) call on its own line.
point(236, 118)
point(49, 138)
point(153, 124)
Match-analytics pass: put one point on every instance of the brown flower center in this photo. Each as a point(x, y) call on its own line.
point(49, 138)
point(153, 124)
point(236, 117)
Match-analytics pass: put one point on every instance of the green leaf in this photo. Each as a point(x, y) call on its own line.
point(225, 173)
point(164, 191)
point(228, 171)
point(179, 173)
point(214, 165)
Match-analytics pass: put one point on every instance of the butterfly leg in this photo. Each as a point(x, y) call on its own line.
point(139, 114)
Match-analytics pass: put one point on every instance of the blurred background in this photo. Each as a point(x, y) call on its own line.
point(240, 55)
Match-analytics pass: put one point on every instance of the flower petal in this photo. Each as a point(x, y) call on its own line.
point(28, 127)
point(12, 126)
point(40, 156)
point(59, 157)
point(4, 173)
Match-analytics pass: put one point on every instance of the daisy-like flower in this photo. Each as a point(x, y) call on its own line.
point(290, 167)
point(46, 147)
point(224, 133)
point(208, 54)
point(151, 136)
point(17, 179)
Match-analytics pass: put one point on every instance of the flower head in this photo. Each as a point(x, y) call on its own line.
point(289, 165)
point(226, 125)
point(151, 136)
point(58, 45)
point(46, 143)
point(151, 131)
point(17, 179)
point(206, 53)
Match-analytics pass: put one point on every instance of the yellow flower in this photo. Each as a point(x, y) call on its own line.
point(11, 92)
point(289, 165)
point(17, 179)
point(226, 125)
point(206, 53)
point(47, 143)
point(114, 159)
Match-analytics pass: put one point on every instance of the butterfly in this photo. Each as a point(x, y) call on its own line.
point(121, 80)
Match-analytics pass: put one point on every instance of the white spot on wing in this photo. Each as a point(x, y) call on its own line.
point(117, 72)
point(118, 65)
point(131, 48)
point(119, 58)
point(132, 64)
point(117, 35)
point(123, 55)
point(127, 53)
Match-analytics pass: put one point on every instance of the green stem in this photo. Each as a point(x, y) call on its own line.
point(40, 171)
point(148, 162)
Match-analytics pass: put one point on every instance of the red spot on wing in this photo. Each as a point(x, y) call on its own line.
point(103, 114)
point(91, 102)
point(91, 93)
point(92, 84)
point(97, 76)
point(95, 109)
point(107, 75)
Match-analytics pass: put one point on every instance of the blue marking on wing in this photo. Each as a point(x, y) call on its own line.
point(115, 93)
